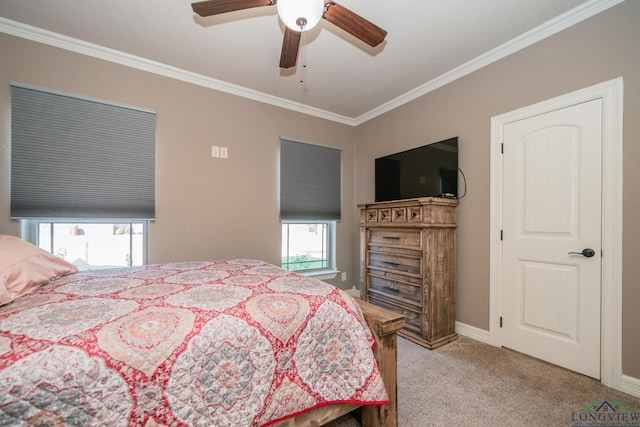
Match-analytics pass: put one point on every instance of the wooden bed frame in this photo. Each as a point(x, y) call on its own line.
point(383, 324)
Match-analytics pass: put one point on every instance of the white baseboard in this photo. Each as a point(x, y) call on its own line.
point(473, 332)
point(629, 385)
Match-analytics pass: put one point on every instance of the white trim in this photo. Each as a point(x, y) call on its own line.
point(50, 38)
point(473, 332)
point(320, 275)
point(630, 385)
point(553, 26)
point(611, 93)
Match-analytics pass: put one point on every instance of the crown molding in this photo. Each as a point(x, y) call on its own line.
point(549, 28)
point(50, 38)
point(561, 22)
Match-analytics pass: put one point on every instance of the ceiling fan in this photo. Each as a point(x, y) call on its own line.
point(299, 16)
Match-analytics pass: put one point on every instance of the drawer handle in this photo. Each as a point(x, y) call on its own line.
point(372, 215)
point(391, 237)
point(414, 214)
point(390, 289)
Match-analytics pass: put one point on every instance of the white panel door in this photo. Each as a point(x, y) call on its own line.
point(552, 207)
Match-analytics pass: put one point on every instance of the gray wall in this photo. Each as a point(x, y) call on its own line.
point(206, 208)
point(602, 48)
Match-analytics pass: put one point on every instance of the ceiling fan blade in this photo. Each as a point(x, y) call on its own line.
point(354, 24)
point(215, 7)
point(290, 46)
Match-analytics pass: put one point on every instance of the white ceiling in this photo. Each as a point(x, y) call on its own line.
point(429, 43)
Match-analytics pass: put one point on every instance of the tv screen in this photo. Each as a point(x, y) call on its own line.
point(427, 171)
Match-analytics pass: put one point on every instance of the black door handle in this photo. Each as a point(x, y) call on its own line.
point(588, 252)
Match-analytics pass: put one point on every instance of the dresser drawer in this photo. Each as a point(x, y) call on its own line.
point(398, 276)
point(412, 315)
point(398, 263)
point(408, 291)
point(398, 215)
point(414, 214)
point(395, 250)
point(400, 237)
point(371, 215)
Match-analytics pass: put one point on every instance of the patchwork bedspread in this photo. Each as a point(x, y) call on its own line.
point(222, 343)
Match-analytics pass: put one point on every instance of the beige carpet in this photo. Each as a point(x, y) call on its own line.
point(468, 383)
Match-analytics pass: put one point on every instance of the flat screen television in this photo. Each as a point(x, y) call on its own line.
point(427, 171)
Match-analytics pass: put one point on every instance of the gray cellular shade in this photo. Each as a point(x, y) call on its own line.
point(309, 182)
point(80, 158)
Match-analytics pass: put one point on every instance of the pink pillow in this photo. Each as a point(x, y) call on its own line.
point(24, 267)
point(5, 296)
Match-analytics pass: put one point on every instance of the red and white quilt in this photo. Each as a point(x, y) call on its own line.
point(222, 343)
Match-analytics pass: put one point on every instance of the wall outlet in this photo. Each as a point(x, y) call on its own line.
point(215, 151)
point(344, 276)
point(224, 152)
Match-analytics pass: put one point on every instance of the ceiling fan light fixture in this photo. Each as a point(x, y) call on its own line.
point(300, 15)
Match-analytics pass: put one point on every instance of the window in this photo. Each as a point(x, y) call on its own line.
point(92, 245)
point(307, 246)
point(309, 206)
point(82, 176)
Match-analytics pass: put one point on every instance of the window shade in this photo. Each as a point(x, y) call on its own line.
point(80, 158)
point(309, 182)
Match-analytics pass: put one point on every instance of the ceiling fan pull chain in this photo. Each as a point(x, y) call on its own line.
point(303, 54)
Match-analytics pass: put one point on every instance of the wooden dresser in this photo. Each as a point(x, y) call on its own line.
point(408, 264)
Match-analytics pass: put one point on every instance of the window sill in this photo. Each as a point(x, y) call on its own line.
point(321, 274)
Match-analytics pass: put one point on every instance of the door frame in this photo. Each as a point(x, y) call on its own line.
point(611, 93)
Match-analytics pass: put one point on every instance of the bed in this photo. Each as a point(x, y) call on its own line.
point(234, 342)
